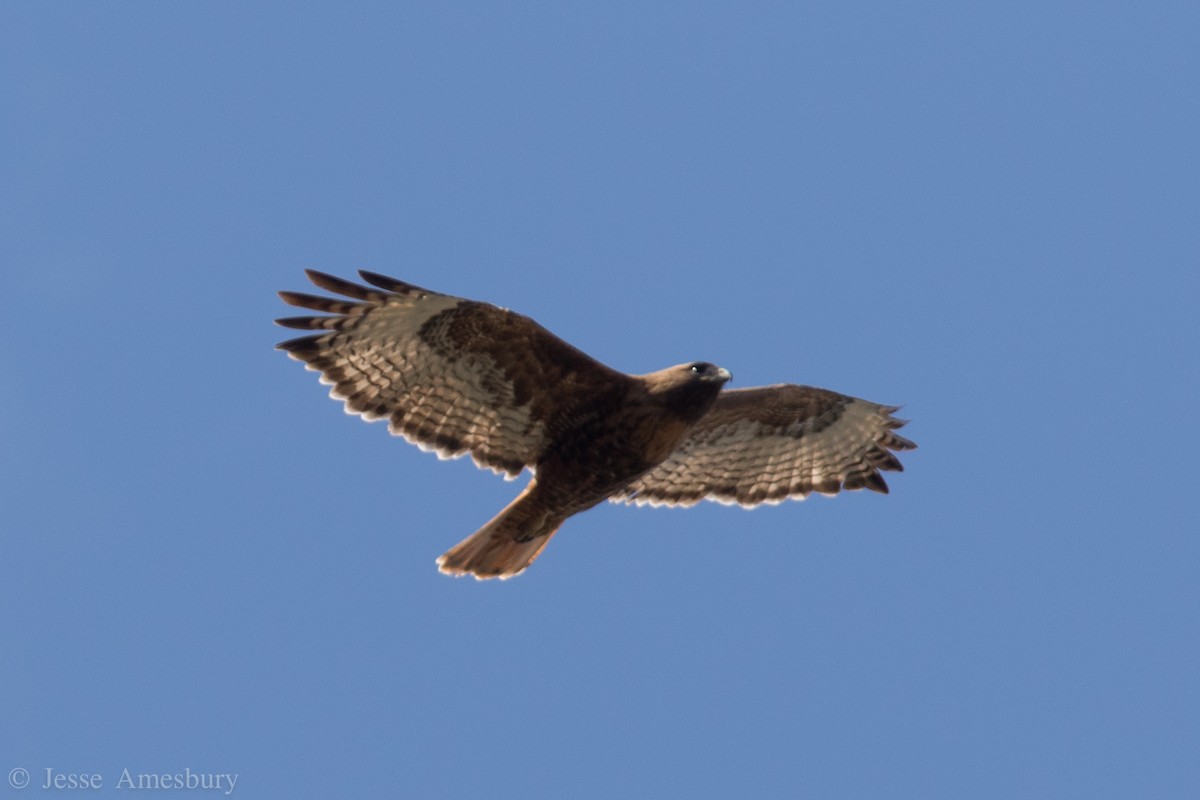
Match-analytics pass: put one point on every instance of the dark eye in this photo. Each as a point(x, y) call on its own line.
point(700, 368)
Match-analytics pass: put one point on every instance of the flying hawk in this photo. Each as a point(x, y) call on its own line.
point(458, 376)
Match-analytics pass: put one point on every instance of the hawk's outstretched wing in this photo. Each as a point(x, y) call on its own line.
point(768, 443)
point(449, 374)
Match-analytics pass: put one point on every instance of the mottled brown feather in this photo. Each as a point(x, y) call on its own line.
point(766, 444)
point(450, 374)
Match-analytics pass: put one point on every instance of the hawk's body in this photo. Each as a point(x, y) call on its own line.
point(458, 376)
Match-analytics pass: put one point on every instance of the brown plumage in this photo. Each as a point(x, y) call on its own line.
point(458, 376)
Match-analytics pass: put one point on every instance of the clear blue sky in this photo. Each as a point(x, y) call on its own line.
point(986, 212)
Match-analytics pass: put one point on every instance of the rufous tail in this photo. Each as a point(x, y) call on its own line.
point(507, 545)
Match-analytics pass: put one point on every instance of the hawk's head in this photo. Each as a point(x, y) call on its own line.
point(689, 389)
point(704, 372)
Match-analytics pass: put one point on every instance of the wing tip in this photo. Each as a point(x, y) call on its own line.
point(876, 483)
point(332, 283)
point(304, 323)
point(390, 284)
point(301, 344)
point(296, 298)
point(890, 439)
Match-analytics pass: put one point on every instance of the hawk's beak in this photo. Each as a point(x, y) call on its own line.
point(724, 375)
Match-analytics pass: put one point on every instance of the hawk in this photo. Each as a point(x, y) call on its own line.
point(459, 377)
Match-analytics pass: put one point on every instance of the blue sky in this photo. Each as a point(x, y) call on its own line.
point(985, 212)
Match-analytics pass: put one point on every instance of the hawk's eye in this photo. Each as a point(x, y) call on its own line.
point(700, 368)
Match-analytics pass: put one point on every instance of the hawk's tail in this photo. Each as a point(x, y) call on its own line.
point(506, 545)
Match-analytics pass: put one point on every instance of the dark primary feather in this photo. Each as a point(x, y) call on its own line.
point(333, 283)
point(390, 284)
